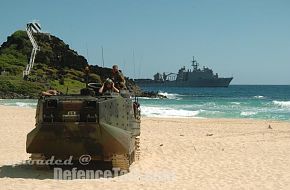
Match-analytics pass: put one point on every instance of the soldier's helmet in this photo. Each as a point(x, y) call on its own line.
point(108, 81)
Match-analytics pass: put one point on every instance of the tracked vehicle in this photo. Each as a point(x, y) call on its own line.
point(105, 127)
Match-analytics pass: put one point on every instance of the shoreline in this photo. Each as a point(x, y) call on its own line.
point(176, 117)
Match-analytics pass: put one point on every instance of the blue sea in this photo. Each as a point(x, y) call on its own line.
point(237, 101)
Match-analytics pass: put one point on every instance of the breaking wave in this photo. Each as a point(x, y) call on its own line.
point(236, 103)
point(19, 103)
point(170, 95)
point(151, 111)
point(259, 97)
point(283, 104)
point(25, 105)
point(248, 113)
point(148, 98)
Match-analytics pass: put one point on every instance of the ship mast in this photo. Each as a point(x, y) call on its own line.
point(194, 63)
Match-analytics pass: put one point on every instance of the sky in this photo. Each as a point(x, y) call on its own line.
point(246, 39)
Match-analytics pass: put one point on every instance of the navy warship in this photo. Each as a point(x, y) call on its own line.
point(187, 78)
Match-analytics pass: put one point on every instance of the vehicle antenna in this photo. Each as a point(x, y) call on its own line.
point(103, 61)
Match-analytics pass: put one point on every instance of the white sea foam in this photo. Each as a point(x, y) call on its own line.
point(151, 111)
point(248, 113)
point(236, 103)
point(26, 105)
point(18, 103)
point(170, 95)
point(259, 97)
point(147, 98)
point(283, 104)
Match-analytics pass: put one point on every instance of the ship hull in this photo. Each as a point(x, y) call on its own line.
point(215, 82)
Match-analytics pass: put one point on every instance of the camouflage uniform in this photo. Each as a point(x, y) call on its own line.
point(119, 80)
point(107, 90)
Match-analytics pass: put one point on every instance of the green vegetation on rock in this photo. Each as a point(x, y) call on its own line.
point(56, 66)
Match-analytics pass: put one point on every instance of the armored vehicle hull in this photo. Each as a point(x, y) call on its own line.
point(106, 128)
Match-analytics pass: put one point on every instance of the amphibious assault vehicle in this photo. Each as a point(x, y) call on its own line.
point(105, 127)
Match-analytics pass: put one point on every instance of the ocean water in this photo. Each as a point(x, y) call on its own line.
point(236, 101)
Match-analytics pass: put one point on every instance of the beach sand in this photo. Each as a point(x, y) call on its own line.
point(175, 154)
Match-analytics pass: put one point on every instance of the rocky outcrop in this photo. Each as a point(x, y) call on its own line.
point(56, 65)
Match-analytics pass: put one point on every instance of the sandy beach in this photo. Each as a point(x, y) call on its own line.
point(175, 154)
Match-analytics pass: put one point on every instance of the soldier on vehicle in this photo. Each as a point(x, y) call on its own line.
point(108, 86)
point(118, 78)
point(50, 92)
